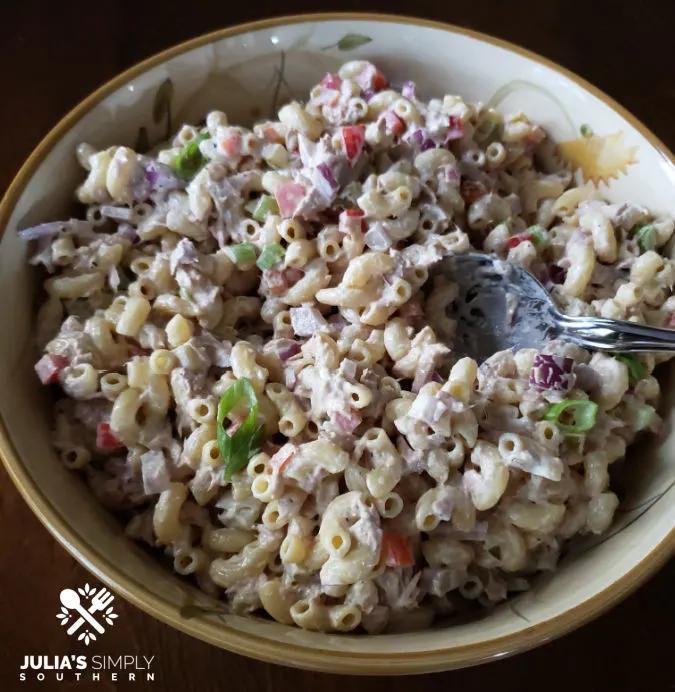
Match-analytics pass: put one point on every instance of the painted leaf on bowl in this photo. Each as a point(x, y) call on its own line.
point(352, 41)
point(245, 91)
point(142, 145)
point(524, 85)
point(162, 104)
point(599, 158)
point(188, 612)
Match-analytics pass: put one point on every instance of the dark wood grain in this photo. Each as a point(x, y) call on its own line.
point(52, 54)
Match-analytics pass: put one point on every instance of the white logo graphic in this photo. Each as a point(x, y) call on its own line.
point(91, 601)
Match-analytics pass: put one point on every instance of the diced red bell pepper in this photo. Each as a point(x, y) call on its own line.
point(105, 439)
point(370, 78)
point(394, 125)
point(49, 367)
point(353, 139)
point(330, 81)
point(455, 128)
point(280, 460)
point(269, 135)
point(396, 551)
point(231, 145)
point(379, 81)
point(289, 196)
point(516, 240)
point(276, 282)
point(352, 221)
point(472, 190)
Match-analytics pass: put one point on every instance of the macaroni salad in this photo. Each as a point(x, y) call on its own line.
point(259, 373)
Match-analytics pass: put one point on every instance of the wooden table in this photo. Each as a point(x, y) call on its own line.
point(52, 55)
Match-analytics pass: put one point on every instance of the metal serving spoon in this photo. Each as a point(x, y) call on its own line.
point(501, 305)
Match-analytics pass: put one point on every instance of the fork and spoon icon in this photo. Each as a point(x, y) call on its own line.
point(71, 600)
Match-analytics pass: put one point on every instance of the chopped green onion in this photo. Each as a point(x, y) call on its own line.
point(489, 129)
point(646, 237)
point(270, 256)
point(636, 369)
point(643, 416)
point(191, 160)
point(539, 236)
point(245, 441)
point(260, 208)
point(586, 130)
point(244, 253)
point(583, 415)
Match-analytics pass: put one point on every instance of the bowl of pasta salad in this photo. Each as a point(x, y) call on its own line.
point(231, 391)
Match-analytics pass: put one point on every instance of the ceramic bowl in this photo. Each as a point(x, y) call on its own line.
point(246, 71)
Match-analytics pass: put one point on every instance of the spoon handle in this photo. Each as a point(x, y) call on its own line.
point(601, 334)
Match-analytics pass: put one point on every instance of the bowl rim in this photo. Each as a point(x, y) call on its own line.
point(249, 644)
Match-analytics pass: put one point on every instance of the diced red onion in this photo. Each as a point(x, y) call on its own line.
point(289, 351)
point(306, 149)
point(437, 378)
point(118, 213)
point(552, 372)
point(455, 129)
point(426, 408)
point(348, 421)
point(367, 95)
point(292, 275)
point(451, 174)
point(275, 281)
point(306, 320)
point(155, 474)
point(348, 368)
point(413, 458)
point(337, 323)
point(328, 175)
point(423, 374)
point(377, 238)
point(160, 177)
point(408, 90)
point(127, 231)
point(290, 379)
point(47, 230)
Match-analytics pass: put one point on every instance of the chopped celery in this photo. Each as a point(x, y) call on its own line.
point(270, 255)
point(243, 253)
point(261, 207)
